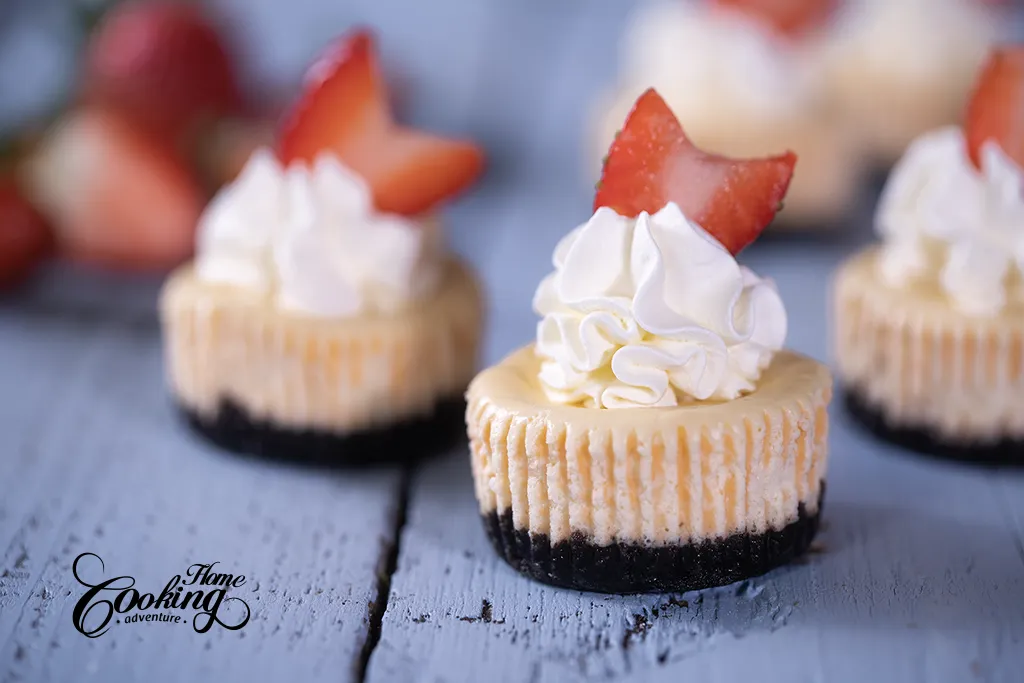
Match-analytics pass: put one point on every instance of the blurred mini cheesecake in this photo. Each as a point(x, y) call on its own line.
point(743, 76)
point(929, 324)
point(322, 318)
point(655, 437)
point(896, 69)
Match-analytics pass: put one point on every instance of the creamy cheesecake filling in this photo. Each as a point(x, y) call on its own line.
point(653, 476)
point(924, 364)
point(338, 375)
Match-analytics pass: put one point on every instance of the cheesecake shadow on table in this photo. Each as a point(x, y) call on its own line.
point(869, 566)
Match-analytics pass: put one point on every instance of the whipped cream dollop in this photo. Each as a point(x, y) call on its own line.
point(309, 237)
point(652, 311)
point(694, 56)
point(940, 217)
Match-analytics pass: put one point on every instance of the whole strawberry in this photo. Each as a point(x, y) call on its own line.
point(116, 195)
point(164, 64)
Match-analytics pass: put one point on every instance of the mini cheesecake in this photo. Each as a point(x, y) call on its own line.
point(650, 499)
point(896, 69)
point(922, 374)
point(929, 324)
point(656, 436)
point(255, 379)
point(322, 319)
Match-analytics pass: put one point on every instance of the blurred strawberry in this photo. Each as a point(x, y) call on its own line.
point(995, 111)
point(788, 17)
point(223, 148)
point(344, 110)
point(25, 239)
point(115, 196)
point(164, 64)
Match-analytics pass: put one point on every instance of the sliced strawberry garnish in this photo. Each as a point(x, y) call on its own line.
point(115, 196)
point(164, 63)
point(345, 111)
point(344, 100)
point(25, 238)
point(788, 17)
point(652, 162)
point(409, 172)
point(996, 110)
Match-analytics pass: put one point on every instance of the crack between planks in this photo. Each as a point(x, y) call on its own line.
point(386, 567)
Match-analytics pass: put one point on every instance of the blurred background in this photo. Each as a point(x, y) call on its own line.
point(540, 85)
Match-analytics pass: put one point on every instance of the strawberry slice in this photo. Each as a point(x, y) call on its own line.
point(164, 63)
point(652, 162)
point(344, 110)
point(788, 17)
point(25, 238)
point(115, 196)
point(996, 110)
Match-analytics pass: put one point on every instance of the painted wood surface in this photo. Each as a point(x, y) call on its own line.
point(918, 574)
point(94, 460)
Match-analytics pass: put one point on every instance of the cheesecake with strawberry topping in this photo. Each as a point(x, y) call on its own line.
point(741, 74)
point(929, 333)
point(655, 436)
point(895, 69)
point(322, 318)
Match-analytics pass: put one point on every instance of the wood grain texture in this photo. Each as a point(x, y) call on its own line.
point(95, 461)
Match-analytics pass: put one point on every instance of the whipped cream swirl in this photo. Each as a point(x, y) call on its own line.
point(652, 311)
point(941, 218)
point(309, 238)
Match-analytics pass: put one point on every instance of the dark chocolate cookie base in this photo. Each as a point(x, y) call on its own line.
point(580, 564)
point(235, 430)
point(999, 453)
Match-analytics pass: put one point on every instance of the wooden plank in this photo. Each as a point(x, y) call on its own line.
point(917, 565)
point(95, 461)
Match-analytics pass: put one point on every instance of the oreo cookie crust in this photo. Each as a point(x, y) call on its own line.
point(235, 430)
point(1004, 452)
point(625, 567)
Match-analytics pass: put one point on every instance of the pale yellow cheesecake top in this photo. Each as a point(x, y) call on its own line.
point(513, 385)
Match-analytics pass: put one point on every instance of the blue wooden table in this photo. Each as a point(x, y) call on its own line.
point(918, 574)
